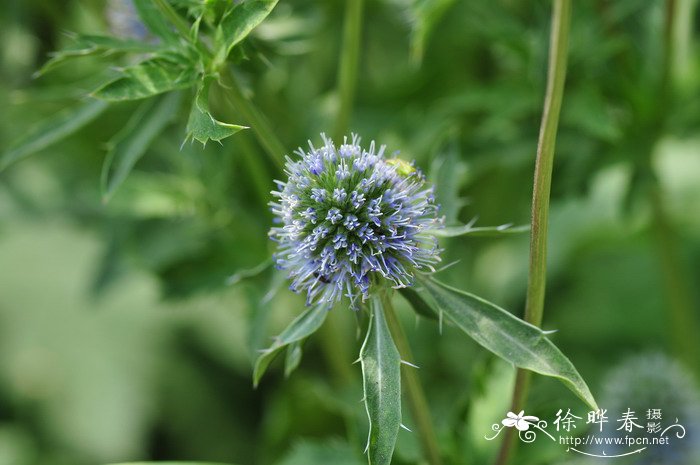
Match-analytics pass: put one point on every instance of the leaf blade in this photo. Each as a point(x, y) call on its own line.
point(302, 327)
point(131, 143)
point(238, 22)
point(507, 336)
point(146, 79)
point(201, 125)
point(381, 380)
point(479, 231)
point(52, 130)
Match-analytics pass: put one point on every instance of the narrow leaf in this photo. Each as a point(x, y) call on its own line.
point(85, 45)
point(479, 231)
point(381, 377)
point(52, 130)
point(129, 145)
point(302, 327)
point(237, 24)
point(155, 21)
point(148, 78)
point(417, 303)
point(507, 336)
point(201, 125)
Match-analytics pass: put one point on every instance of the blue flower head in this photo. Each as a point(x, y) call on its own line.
point(350, 219)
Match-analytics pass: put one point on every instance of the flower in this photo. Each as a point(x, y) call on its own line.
point(520, 421)
point(348, 219)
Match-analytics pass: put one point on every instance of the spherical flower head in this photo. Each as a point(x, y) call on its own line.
point(350, 220)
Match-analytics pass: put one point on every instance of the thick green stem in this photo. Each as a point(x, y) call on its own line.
point(347, 70)
point(413, 388)
point(258, 123)
point(537, 275)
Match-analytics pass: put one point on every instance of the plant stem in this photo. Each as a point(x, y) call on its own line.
point(347, 70)
point(262, 129)
point(534, 306)
point(412, 387)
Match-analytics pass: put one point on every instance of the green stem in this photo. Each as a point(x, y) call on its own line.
point(412, 387)
point(347, 70)
point(262, 129)
point(534, 306)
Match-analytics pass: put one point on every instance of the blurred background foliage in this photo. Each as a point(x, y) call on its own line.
point(122, 338)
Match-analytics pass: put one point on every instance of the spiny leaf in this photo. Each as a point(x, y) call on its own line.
point(507, 336)
point(85, 45)
point(237, 24)
point(479, 231)
point(155, 21)
point(148, 78)
point(201, 125)
point(381, 377)
point(129, 145)
point(302, 327)
point(52, 130)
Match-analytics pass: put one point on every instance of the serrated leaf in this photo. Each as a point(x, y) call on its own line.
point(52, 130)
point(381, 379)
point(148, 78)
point(201, 125)
point(129, 145)
point(85, 45)
point(302, 327)
point(155, 21)
point(293, 358)
point(507, 336)
point(479, 231)
point(237, 23)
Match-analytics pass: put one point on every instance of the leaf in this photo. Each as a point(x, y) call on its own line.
point(417, 303)
point(52, 130)
point(237, 24)
point(85, 45)
point(381, 378)
point(155, 21)
point(478, 231)
point(170, 463)
point(293, 358)
point(201, 125)
point(129, 145)
point(507, 336)
point(302, 327)
point(426, 15)
point(148, 78)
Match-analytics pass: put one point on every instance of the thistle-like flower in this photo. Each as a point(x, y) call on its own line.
point(350, 219)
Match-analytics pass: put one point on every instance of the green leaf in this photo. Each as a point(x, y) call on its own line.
point(52, 130)
point(507, 336)
point(381, 377)
point(478, 231)
point(237, 24)
point(293, 358)
point(417, 303)
point(148, 78)
point(155, 21)
point(302, 327)
point(85, 45)
point(201, 125)
point(170, 463)
point(129, 145)
point(425, 15)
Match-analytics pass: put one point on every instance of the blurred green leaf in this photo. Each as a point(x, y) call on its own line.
point(129, 145)
point(425, 16)
point(148, 78)
point(324, 452)
point(381, 376)
point(237, 23)
point(418, 304)
point(85, 45)
point(170, 463)
point(293, 358)
point(201, 125)
point(507, 336)
point(52, 130)
point(155, 21)
point(302, 327)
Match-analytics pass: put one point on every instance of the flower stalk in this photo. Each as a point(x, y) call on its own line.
point(537, 275)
